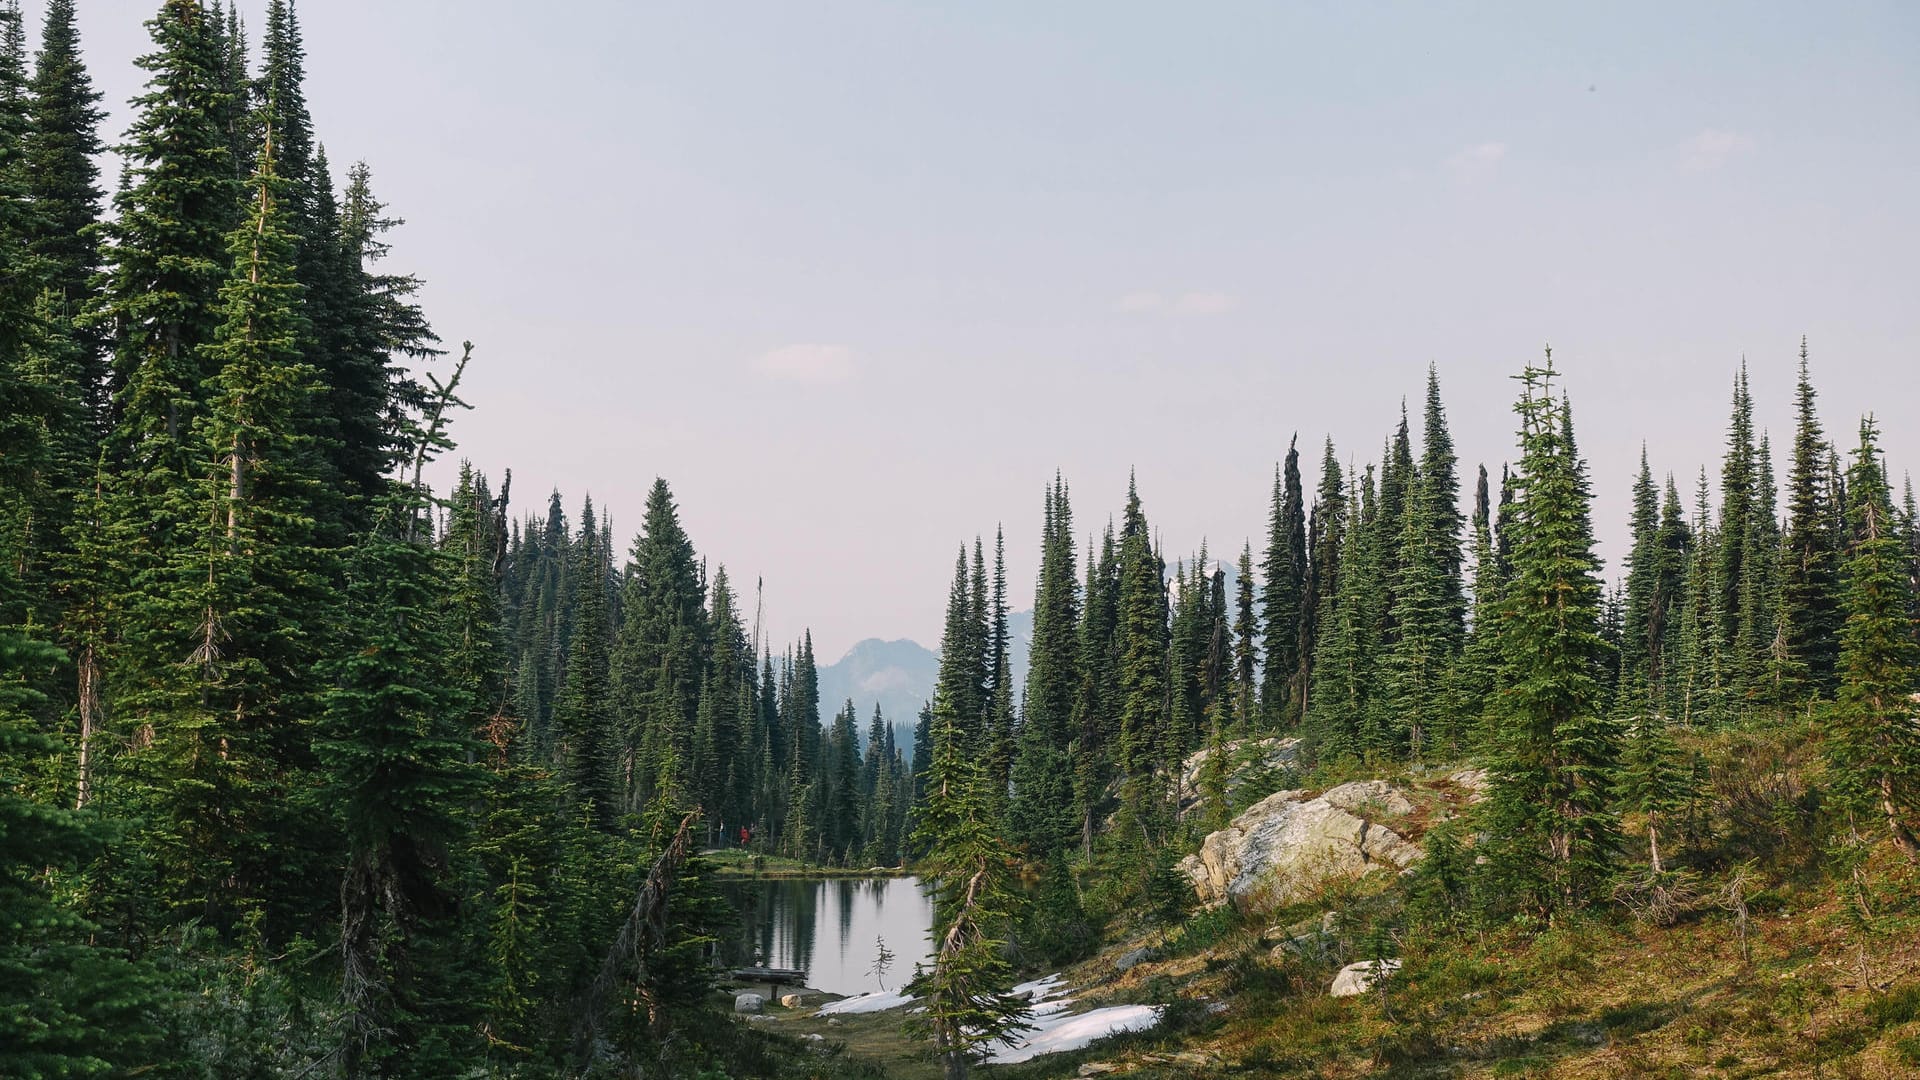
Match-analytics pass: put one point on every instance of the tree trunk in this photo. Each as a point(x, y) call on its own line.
point(89, 694)
point(1902, 836)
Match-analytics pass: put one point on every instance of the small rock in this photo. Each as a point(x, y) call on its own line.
point(1473, 781)
point(1356, 979)
point(1098, 1068)
point(834, 1021)
point(1131, 959)
point(749, 1003)
point(814, 1036)
point(803, 999)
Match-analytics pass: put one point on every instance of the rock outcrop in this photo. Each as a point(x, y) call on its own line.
point(749, 1003)
point(1288, 845)
point(1357, 979)
point(1246, 758)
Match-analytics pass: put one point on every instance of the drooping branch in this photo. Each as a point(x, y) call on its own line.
point(642, 934)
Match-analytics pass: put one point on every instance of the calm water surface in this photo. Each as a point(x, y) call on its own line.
point(830, 929)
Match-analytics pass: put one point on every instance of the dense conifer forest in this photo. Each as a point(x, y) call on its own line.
point(308, 769)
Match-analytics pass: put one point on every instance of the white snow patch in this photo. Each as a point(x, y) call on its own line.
point(877, 1001)
point(1048, 1008)
point(1053, 1034)
point(1041, 989)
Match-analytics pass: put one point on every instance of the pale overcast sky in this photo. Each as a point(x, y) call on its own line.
point(857, 277)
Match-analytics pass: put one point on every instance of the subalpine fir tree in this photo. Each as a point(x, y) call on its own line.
point(842, 784)
point(722, 788)
point(1399, 475)
point(1246, 648)
point(1324, 544)
point(26, 402)
point(395, 748)
point(1549, 806)
point(880, 843)
point(1341, 702)
point(370, 328)
point(1414, 671)
point(476, 544)
point(1737, 493)
point(168, 257)
point(1702, 684)
point(255, 586)
point(1219, 681)
point(583, 716)
point(62, 144)
point(660, 649)
point(1759, 679)
point(961, 664)
point(1000, 724)
point(1672, 543)
point(70, 1005)
point(1809, 568)
point(1641, 625)
point(1095, 733)
point(1042, 773)
point(966, 989)
point(1872, 745)
point(1187, 643)
point(1476, 674)
point(1142, 646)
point(1285, 571)
point(1439, 506)
point(1652, 778)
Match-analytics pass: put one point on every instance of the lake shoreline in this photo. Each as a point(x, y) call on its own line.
point(734, 864)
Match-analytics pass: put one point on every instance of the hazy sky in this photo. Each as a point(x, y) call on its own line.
point(857, 277)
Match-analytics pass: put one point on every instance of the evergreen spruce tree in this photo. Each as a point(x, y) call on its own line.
point(1439, 505)
point(1095, 731)
point(70, 1005)
point(1703, 688)
point(1641, 630)
point(61, 145)
point(1549, 809)
point(1872, 745)
point(1340, 706)
point(395, 747)
point(659, 651)
point(1653, 777)
point(1476, 674)
point(1324, 539)
point(232, 728)
point(1414, 670)
point(1737, 483)
point(1142, 646)
point(1042, 772)
point(1285, 571)
point(1246, 648)
point(966, 990)
point(1000, 725)
point(583, 718)
point(1809, 570)
point(168, 257)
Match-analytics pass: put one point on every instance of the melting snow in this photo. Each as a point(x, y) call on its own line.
point(877, 1001)
point(1055, 1033)
point(1041, 989)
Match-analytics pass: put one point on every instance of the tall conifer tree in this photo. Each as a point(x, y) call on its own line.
point(1549, 805)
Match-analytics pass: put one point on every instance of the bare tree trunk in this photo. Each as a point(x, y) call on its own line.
point(1902, 836)
point(89, 694)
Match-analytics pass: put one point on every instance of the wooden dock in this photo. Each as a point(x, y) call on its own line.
point(779, 976)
